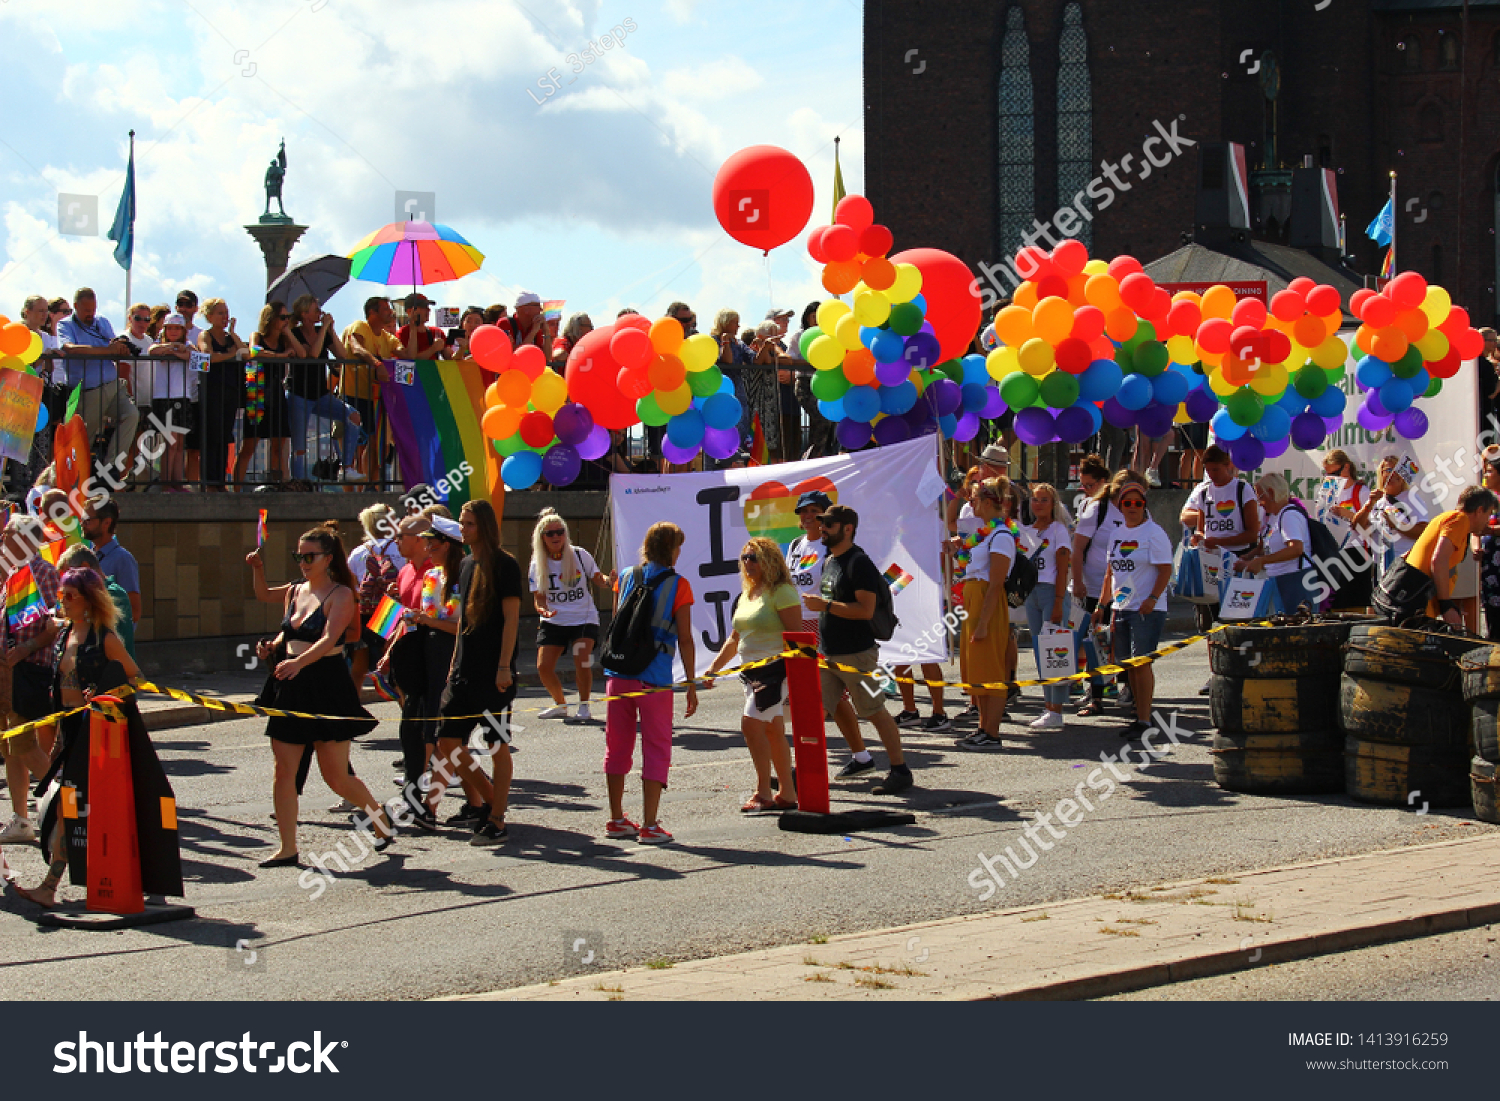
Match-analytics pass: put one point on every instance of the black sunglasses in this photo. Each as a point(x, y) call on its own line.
point(558, 534)
point(749, 558)
point(309, 558)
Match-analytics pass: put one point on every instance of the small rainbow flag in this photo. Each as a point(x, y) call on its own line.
point(260, 529)
point(897, 578)
point(552, 309)
point(387, 617)
point(23, 600)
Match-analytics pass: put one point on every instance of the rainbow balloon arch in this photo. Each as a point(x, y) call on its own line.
point(1083, 342)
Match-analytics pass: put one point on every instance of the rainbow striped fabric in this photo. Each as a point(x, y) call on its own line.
point(552, 309)
point(435, 426)
point(387, 617)
point(23, 600)
point(260, 529)
point(897, 578)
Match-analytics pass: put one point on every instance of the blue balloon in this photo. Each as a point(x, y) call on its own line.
point(1372, 372)
point(1292, 402)
point(1330, 403)
point(861, 404)
point(521, 470)
point(1396, 395)
point(1100, 380)
point(975, 370)
point(1169, 388)
point(948, 424)
point(886, 346)
point(1419, 383)
point(1135, 392)
point(686, 429)
point(41, 417)
point(920, 303)
point(1225, 428)
point(975, 396)
point(1274, 424)
point(1095, 412)
point(832, 410)
point(898, 399)
point(722, 411)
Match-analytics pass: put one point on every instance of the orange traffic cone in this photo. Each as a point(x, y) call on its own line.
point(114, 861)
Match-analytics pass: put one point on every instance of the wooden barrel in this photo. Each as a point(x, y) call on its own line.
point(1273, 698)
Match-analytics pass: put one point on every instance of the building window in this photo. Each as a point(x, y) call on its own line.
point(1410, 53)
point(1435, 201)
point(1447, 51)
point(1430, 123)
point(1436, 275)
point(1495, 51)
point(1075, 118)
point(1325, 151)
point(1017, 137)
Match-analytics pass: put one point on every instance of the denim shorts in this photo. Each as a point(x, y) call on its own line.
point(1137, 635)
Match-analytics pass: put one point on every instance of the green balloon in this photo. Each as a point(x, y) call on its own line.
point(953, 369)
point(510, 445)
point(1335, 374)
point(1125, 357)
point(651, 413)
point(1151, 358)
point(1059, 389)
point(805, 341)
point(1019, 389)
point(1310, 381)
point(1435, 389)
point(705, 384)
point(906, 319)
point(830, 385)
point(1245, 407)
point(1144, 331)
point(1409, 364)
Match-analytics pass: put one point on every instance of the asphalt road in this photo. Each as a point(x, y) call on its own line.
point(440, 917)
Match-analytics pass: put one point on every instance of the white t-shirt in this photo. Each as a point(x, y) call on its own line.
point(142, 371)
point(573, 603)
point(1043, 547)
point(358, 555)
point(1222, 507)
point(170, 376)
point(804, 558)
point(1404, 511)
point(1133, 554)
point(1285, 527)
point(1096, 561)
point(999, 542)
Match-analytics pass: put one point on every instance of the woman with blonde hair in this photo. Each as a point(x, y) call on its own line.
point(1049, 543)
point(986, 632)
point(561, 576)
point(768, 606)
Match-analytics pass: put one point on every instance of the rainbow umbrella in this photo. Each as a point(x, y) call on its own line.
point(413, 254)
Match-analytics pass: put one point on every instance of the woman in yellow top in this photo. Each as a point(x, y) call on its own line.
point(1424, 578)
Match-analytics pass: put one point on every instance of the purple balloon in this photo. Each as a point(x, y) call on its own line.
point(720, 443)
point(561, 463)
point(892, 374)
point(1118, 415)
point(1247, 452)
point(1276, 448)
point(919, 416)
point(1371, 421)
point(1074, 425)
point(852, 434)
point(1411, 423)
point(1035, 426)
point(946, 396)
point(1376, 407)
point(1156, 420)
point(1308, 431)
point(994, 404)
point(596, 445)
point(1333, 425)
point(967, 427)
point(1201, 404)
point(572, 424)
point(922, 351)
point(889, 430)
point(679, 455)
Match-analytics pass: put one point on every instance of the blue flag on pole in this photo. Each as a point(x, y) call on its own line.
point(1383, 228)
point(123, 231)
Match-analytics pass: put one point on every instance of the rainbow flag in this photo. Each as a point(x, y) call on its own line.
point(260, 529)
point(897, 578)
point(23, 600)
point(435, 426)
point(552, 309)
point(386, 619)
point(1387, 266)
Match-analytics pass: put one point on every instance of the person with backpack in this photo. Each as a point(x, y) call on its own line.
point(652, 622)
point(1221, 515)
point(562, 577)
point(986, 629)
point(1344, 497)
point(1134, 594)
point(1047, 544)
point(855, 615)
point(375, 564)
point(1098, 520)
point(1424, 580)
point(1287, 545)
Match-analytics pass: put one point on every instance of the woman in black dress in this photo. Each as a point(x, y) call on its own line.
point(309, 675)
point(219, 396)
point(266, 415)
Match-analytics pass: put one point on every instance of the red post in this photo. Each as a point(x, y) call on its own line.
point(114, 861)
point(809, 746)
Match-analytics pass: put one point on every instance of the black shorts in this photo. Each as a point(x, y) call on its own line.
point(462, 706)
point(556, 634)
point(177, 413)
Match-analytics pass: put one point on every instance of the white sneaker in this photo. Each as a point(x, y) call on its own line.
point(1050, 720)
point(583, 715)
point(353, 476)
point(18, 829)
point(1153, 479)
point(343, 806)
point(557, 711)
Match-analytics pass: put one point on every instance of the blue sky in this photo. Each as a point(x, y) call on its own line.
point(600, 194)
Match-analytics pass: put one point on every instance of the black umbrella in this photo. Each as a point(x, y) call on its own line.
point(321, 277)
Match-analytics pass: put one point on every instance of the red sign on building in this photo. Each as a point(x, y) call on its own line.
point(1242, 288)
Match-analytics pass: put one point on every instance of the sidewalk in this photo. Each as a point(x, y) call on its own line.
point(1092, 947)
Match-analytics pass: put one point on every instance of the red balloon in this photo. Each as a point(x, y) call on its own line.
point(1213, 335)
point(1158, 306)
point(815, 245)
point(1469, 344)
point(1051, 286)
point(1033, 263)
point(1277, 345)
point(592, 373)
point(1408, 290)
point(1446, 367)
point(1073, 355)
point(631, 348)
point(855, 212)
point(1245, 342)
point(634, 321)
point(1380, 312)
point(1135, 291)
point(1088, 323)
point(1248, 311)
point(1357, 302)
point(840, 243)
point(876, 241)
point(634, 383)
point(1288, 305)
point(536, 428)
point(1184, 317)
point(490, 346)
point(530, 360)
point(1322, 300)
point(763, 196)
point(1121, 266)
point(952, 296)
point(1301, 285)
point(1456, 322)
point(1069, 257)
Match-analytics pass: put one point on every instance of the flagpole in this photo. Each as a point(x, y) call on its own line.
point(129, 266)
point(1394, 220)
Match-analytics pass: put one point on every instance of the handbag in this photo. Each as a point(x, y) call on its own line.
point(1187, 572)
point(1247, 598)
point(1057, 654)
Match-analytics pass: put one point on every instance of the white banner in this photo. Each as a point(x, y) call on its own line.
point(718, 511)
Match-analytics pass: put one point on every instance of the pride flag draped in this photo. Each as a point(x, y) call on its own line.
point(23, 600)
point(387, 617)
point(435, 426)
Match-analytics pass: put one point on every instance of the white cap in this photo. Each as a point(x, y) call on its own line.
point(528, 298)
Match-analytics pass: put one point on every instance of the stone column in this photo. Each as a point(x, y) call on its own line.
point(275, 238)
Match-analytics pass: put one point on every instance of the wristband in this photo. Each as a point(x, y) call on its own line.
point(1445, 606)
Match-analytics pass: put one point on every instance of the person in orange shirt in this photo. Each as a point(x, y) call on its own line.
point(1424, 578)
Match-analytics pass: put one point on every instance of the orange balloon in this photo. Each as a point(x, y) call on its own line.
point(1053, 320)
point(1189, 296)
point(666, 373)
point(666, 335)
point(1218, 301)
point(1077, 285)
point(1103, 291)
point(492, 397)
point(1236, 370)
point(1211, 359)
point(1389, 344)
point(502, 422)
point(1413, 323)
point(1362, 337)
point(1120, 323)
point(879, 273)
point(1013, 325)
point(514, 388)
point(15, 338)
point(857, 370)
point(1308, 331)
point(1025, 295)
point(1332, 324)
point(840, 276)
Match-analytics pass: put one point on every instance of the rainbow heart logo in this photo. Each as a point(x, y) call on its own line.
point(1224, 508)
point(1060, 652)
point(1128, 547)
point(771, 508)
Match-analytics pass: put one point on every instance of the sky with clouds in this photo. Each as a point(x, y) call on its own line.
point(598, 192)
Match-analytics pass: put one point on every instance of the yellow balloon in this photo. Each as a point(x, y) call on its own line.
point(1269, 380)
point(829, 314)
point(13, 363)
point(1096, 267)
point(675, 401)
point(872, 308)
point(908, 283)
point(1219, 385)
point(1036, 357)
point(1182, 349)
point(1433, 345)
point(1001, 362)
point(1332, 352)
point(825, 353)
point(847, 332)
point(31, 353)
point(698, 352)
point(1181, 416)
point(548, 392)
point(1436, 305)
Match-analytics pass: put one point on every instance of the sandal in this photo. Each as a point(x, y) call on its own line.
point(757, 805)
point(784, 804)
point(1092, 707)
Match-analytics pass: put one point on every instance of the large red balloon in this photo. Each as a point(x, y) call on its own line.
point(763, 196)
point(952, 297)
point(591, 375)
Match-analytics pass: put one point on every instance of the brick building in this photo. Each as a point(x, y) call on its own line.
point(981, 117)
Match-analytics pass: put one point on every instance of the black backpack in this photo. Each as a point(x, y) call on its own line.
point(884, 622)
point(1022, 578)
point(1324, 546)
point(633, 641)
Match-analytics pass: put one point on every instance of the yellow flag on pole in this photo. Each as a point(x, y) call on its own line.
point(838, 178)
